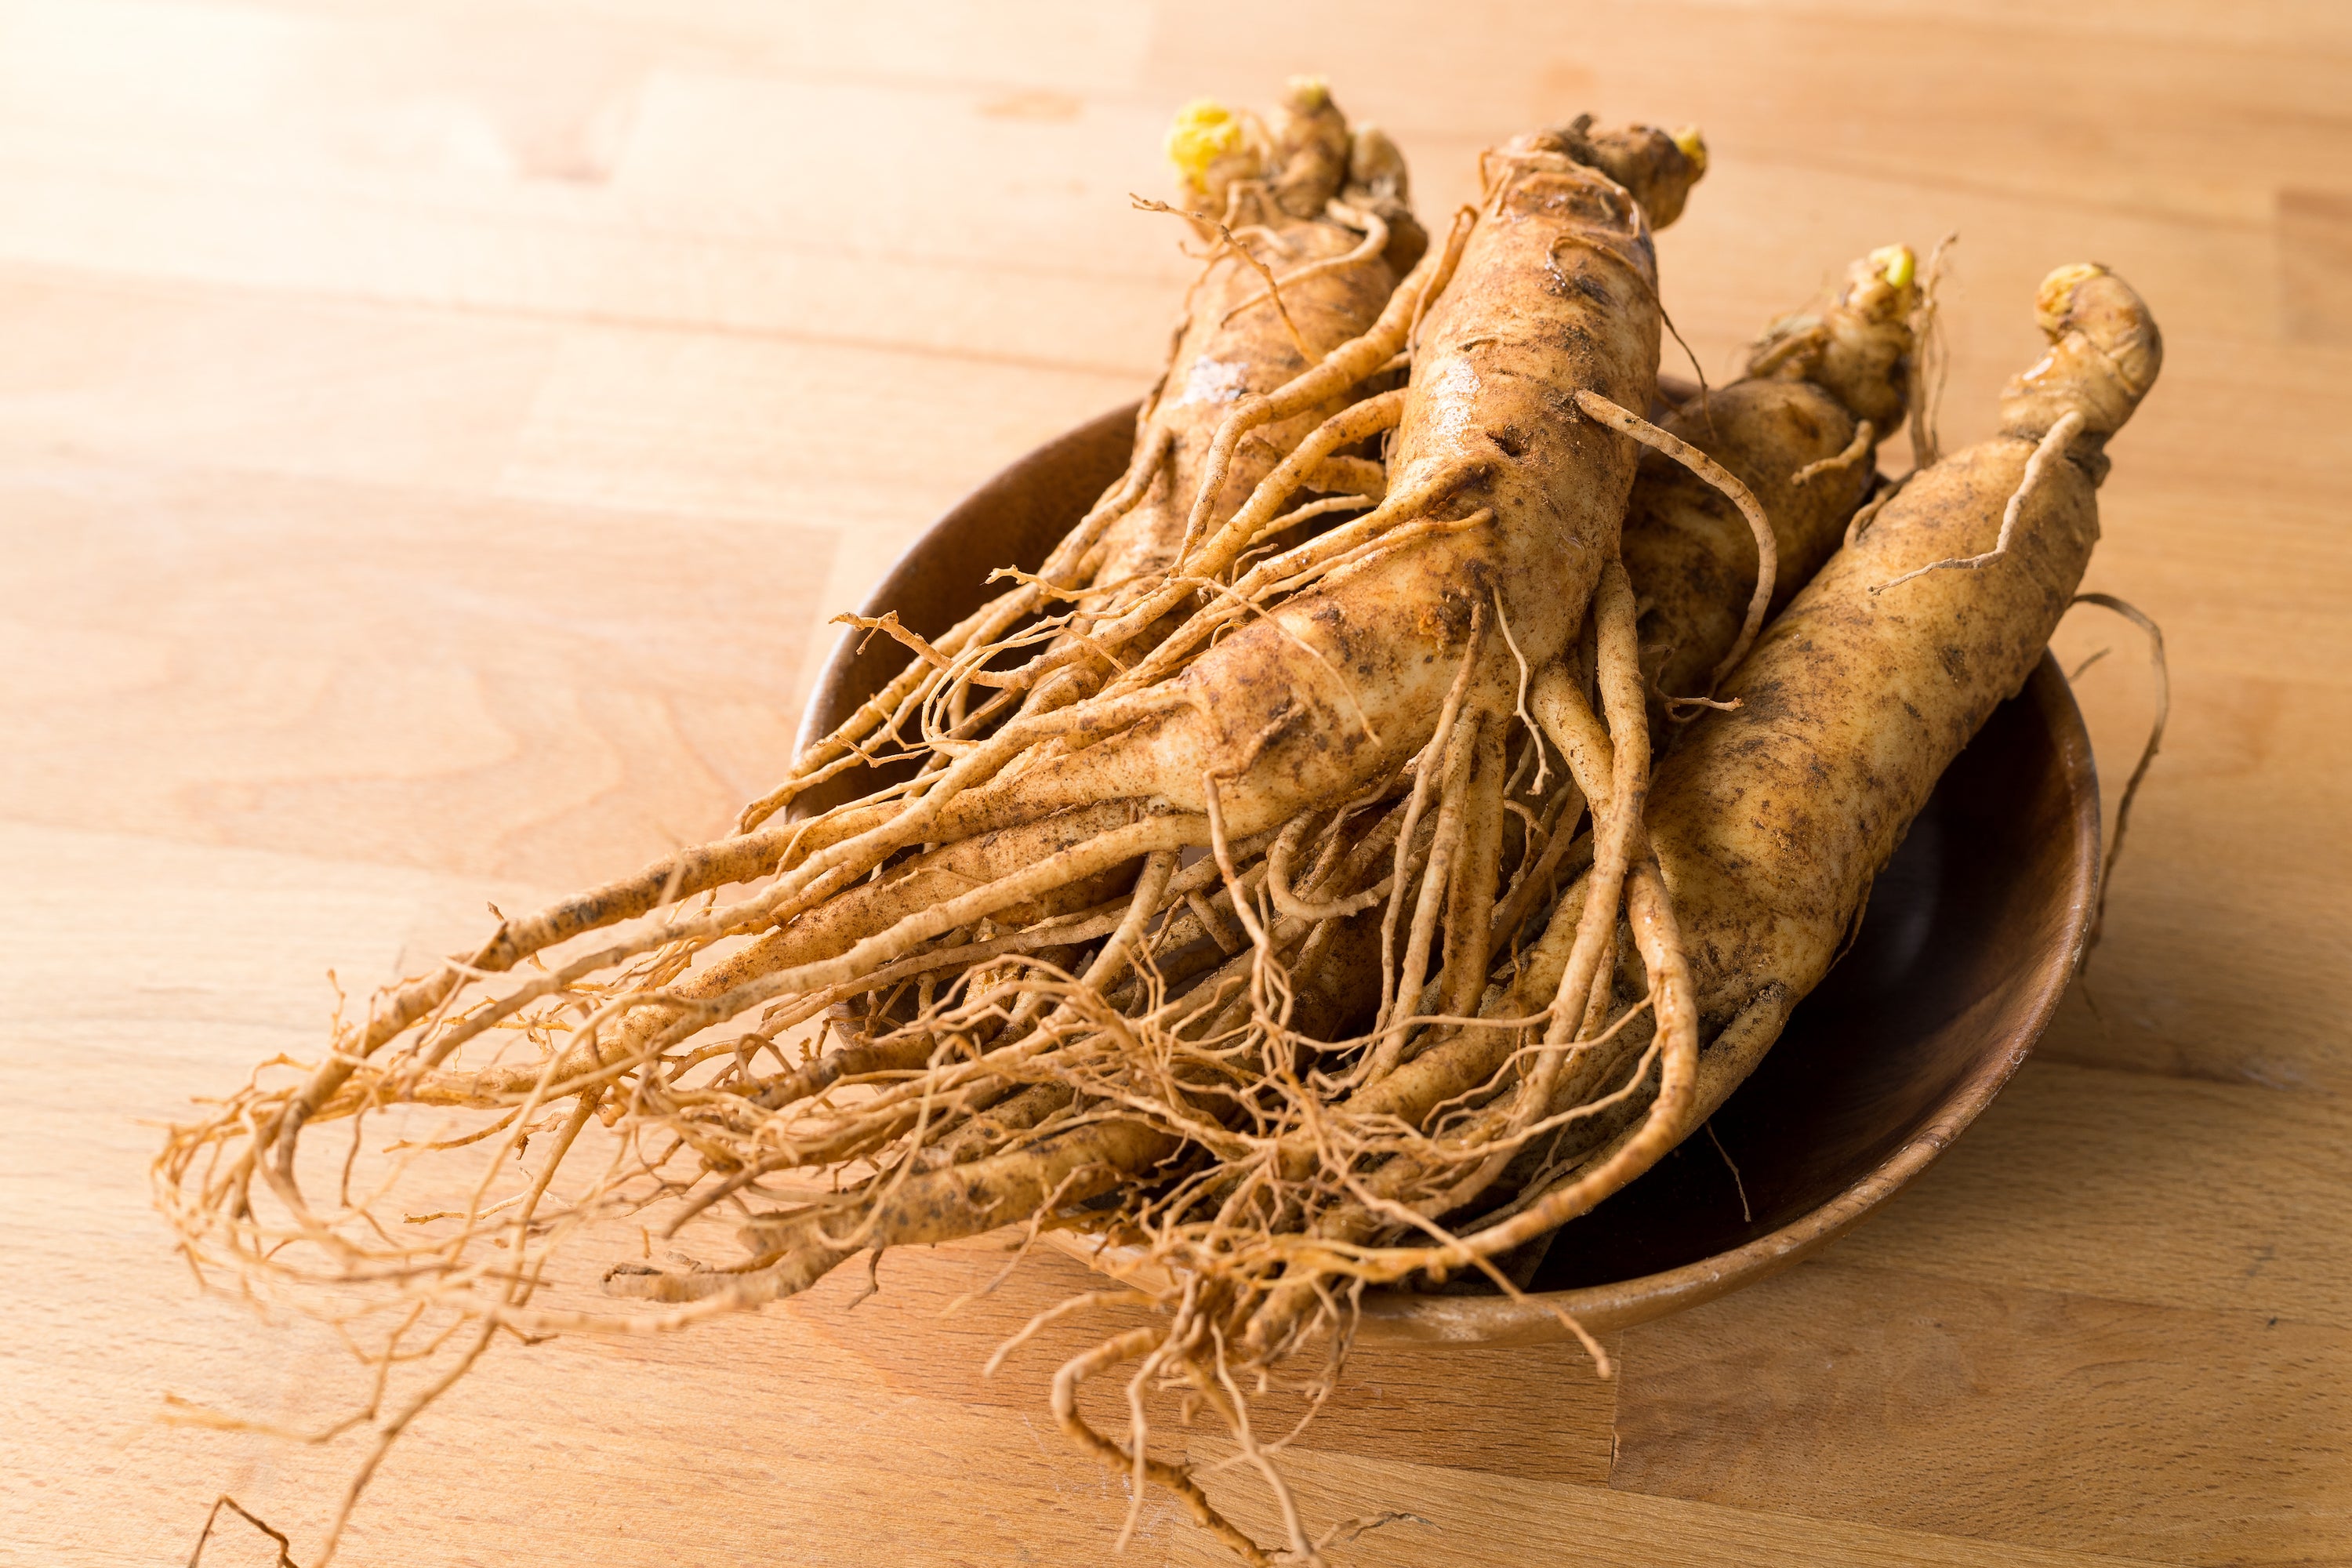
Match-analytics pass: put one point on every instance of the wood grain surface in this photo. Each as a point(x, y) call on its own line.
point(434, 432)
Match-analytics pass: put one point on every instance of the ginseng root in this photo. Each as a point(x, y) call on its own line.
point(1302, 895)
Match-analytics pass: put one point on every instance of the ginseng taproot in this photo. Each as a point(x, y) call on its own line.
point(1278, 887)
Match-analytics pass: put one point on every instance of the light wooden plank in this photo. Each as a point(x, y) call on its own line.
point(352, 682)
point(2315, 230)
point(2272, 24)
point(1073, 46)
point(481, 164)
point(718, 211)
point(749, 428)
point(230, 379)
point(869, 447)
point(235, 937)
point(1939, 99)
point(1463, 1519)
point(163, 226)
point(2019, 1416)
point(963, 178)
point(268, 92)
point(2138, 1188)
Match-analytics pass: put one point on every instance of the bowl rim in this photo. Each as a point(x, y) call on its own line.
point(1395, 1317)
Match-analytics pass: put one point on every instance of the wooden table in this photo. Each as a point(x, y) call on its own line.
point(431, 435)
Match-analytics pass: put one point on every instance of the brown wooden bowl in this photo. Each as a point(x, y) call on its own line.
point(1974, 928)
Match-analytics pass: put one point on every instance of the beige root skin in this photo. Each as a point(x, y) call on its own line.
point(1228, 353)
point(1861, 694)
point(1340, 683)
point(1727, 485)
point(1854, 701)
point(1789, 433)
point(1656, 168)
point(1336, 290)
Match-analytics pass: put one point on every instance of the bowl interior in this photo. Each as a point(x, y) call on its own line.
point(1970, 936)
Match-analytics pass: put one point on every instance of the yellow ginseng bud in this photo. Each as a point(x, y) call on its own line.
point(1204, 130)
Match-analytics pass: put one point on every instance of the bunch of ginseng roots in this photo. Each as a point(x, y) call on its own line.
point(1272, 886)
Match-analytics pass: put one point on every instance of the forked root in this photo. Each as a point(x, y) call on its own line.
point(1139, 1465)
point(1611, 764)
point(1722, 478)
